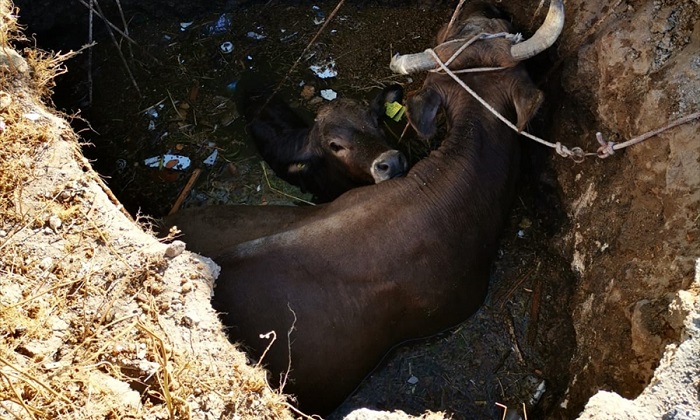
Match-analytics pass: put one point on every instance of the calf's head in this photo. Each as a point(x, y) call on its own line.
point(347, 141)
point(342, 149)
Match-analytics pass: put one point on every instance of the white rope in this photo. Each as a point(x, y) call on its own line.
point(576, 153)
point(606, 149)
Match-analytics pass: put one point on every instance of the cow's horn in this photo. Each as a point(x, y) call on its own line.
point(545, 36)
point(412, 63)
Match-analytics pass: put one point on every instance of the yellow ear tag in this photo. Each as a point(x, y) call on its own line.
point(394, 110)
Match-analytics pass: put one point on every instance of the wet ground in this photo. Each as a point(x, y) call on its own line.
point(164, 116)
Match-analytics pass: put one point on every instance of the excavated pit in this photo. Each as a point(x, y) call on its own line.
point(595, 252)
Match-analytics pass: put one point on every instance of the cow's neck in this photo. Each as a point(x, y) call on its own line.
point(473, 171)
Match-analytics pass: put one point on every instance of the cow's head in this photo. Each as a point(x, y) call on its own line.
point(347, 137)
point(498, 52)
point(509, 89)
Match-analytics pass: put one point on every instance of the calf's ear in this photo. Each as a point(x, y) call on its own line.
point(389, 94)
point(422, 109)
point(527, 100)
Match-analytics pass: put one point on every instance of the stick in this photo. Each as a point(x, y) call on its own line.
point(278, 191)
point(90, 40)
point(185, 191)
point(107, 22)
point(452, 20)
point(119, 50)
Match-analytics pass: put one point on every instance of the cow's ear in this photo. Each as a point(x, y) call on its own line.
point(527, 100)
point(422, 109)
point(389, 94)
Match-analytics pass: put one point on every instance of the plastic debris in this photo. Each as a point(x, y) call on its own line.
point(320, 16)
point(412, 380)
point(226, 47)
point(324, 70)
point(3, 126)
point(256, 36)
point(541, 388)
point(170, 161)
point(289, 37)
point(32, 116)
point(185, 25)
point(231, 87)
point(211, 158)
point(152, 112)
point(222, 25)
point(328, 94)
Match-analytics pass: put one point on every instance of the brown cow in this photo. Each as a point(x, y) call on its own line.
point(344, 282)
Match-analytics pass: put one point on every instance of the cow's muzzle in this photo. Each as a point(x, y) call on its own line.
point(389, 164)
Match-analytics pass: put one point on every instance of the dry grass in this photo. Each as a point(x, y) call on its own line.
point(90, 323)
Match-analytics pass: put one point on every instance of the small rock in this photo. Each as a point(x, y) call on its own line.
point(58, 325)
point(187, 322)
point(46, 264)
point(5, 100)
point(149, 368)
point(42, 348)
point(55, 222)
point(3, 233)
point(174, 249)
point(11, 60)
point(682, 412)
point(106, 384)
point(186, 288)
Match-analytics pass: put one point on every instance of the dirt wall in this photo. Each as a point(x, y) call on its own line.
point(629, 68)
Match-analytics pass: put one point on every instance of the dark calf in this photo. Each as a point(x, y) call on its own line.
point(344, 148)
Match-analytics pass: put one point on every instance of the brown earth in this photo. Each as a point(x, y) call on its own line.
point(585, 292)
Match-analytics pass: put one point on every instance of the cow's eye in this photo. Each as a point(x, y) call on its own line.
point(336, 147)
